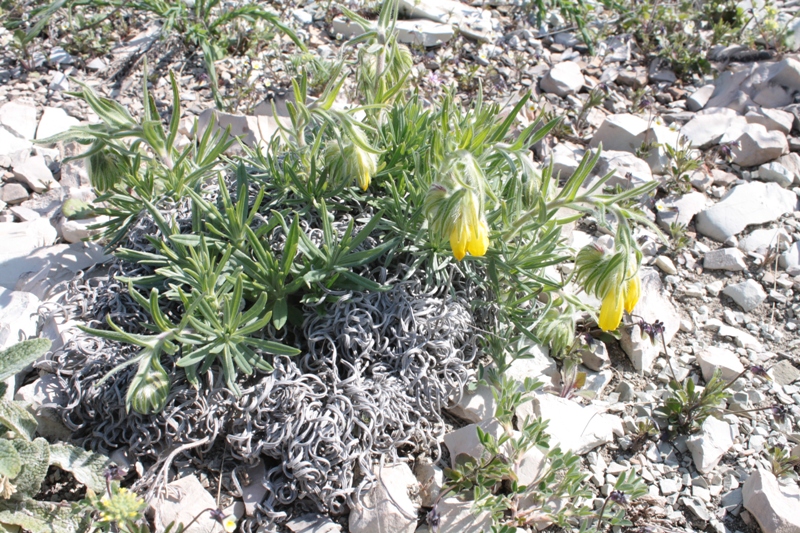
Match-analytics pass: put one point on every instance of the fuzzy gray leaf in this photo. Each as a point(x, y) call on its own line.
point(35, 458)
point(87, 467)
point(10, 463)
point(45, 517)
point(16, 418)
point(20, 355)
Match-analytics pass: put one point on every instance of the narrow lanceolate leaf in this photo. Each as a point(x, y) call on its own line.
point(35, 459)
point(16, 358)
point(87, 467)
point(16, 418)
point(10, 462)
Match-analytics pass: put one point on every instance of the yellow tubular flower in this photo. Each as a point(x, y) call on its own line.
point(470, 233)
point(366, 164)
point(632, 289)
point(611, 310)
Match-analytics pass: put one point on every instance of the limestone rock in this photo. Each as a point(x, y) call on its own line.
point(254, 492)
point(681, 209)
point(758, 146)
point(745, 204)
point(790, 259)
point(19, 116)
point(75, 231)
point(772, 119)
point(563, 79)
point(186, 499)
point(17, 316)
point(775, 172)
point(698, 99)
point(423, 32)
point(572, 426)
point(387, 506)
point(730, 259)
point(784, 373)
point(596, 356)
point(431, 479)
point(456, 516)
point(761, 240)
point(313, 523)
point(713, 358)
point(13, 193)
point(629, 170)
point(748, 294)
point(619, 132)
point(54, 121)
point(708, 446)
point(43, 269)
point(704, 131)
point(773, 505)
point(10, 145)
point(465, 440)
point(35, 174)
point(20, 239)
point(657, 138)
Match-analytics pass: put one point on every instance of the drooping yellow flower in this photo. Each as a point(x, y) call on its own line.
point(470, 232)
point(633, 288)
point(611, 309)
point(350, 160)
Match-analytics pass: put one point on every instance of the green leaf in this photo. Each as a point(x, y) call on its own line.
point(87, 467)
point(46, 517)
point(10, 462)
point(16, 358)
point(35, 458)
point(280, 312)
point(16, 418)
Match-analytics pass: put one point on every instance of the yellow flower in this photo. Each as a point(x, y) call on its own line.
point(366, 164)
point(632, 289)
point(611, 310)
point(351, 161)
point(470, 232)
point(229, 524)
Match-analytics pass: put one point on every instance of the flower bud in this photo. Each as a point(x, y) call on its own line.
point(148, 391)
point(352, 160)
point(105, 168)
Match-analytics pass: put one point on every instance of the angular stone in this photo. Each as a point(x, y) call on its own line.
point(710, 445)
point(10, 145)
point(17, 316)
point(773, 505)
point(681, 209)
point(713, 358)
point(35, 174)
point(748, 294)
point(13, 193)
point(742, 338)
point(456, 516)
point(758, 146)
point(430, 478)
point(746, 204)
point(54, 121)
point(654, 304)
point(563, 79)
point(790, 259)
point(19, 116)
point(730, 259)
point(772, 119)
point(186, 499)
point(465, 440)
point(657, 138)
point(313, 523)
point(762, 240)
point(20, 239)
point(439, 10)
point(423, 32)
point(704, 131)
point(387, 505)
point(253, 493)
point(74, 231)
point(596, 356)
point(620, 133)
point(776, 173)
point(666, 265)
point(572, 426)
point(699, 98)
point(475, 406)
point(629, 170)
point(42, 398)
point(784, 373)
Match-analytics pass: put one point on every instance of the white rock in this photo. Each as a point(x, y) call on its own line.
point(658, 137)
point(707, 130)
point(97, 64)
point(792, 162)
point(430, 478)
point(773, 505)
point(730, 259)
point(742, 338)
point(42, 398)
point(596, 356)
point(11, 146)
point(620, 133)
point(456, 516)
point(58, 81)
point(387, 505)
point(54, 121)
point(423, 32)
point(790, 259)
point(439, 10)
point(59, 56)
point(787, 74)
point(253, 493)
point(465, 440)
point(17, 316)
point(19, 116)
point(565, 160)
point(761, 240)
point(698, 99)
point(475, 406)
point(253, 130)
point(758, 146)
point(666, 265)
point(776, 173)
point(654, 304)
point(713, 358)
point(531, 467)
point(572, 426)
point(186, 498)
point(772, 119)
point(629, 170)
point(18, 240)
point(745, 204)
point(313, 523)
point(35, 174)
point(75, 231)
point(563, 79)
point(681, 209)
point(708, 446)
point(303, 16)
point(748, 294)
point(43, 269)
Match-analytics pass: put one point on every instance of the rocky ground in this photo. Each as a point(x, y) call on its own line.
point(727, 290)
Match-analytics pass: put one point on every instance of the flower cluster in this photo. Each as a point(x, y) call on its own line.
point(611, 276)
